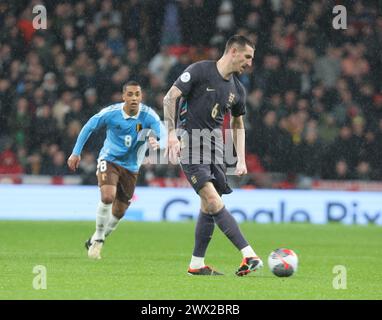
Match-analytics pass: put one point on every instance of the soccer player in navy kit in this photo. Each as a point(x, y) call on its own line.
point(130, 125)
point(199, 99)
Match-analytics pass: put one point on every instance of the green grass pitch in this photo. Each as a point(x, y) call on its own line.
point(144, 260)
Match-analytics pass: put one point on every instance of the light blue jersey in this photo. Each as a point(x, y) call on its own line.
point(125, 143)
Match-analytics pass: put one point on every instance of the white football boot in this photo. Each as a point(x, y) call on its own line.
point(94, 251)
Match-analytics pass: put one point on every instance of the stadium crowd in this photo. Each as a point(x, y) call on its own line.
point(314, 104)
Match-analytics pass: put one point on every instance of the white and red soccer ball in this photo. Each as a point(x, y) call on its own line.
point(283, 262)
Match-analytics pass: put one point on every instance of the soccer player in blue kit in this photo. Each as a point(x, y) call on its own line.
point(198, 100)
point(130, 126)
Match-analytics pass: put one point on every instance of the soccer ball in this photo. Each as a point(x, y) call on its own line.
point(283, 262)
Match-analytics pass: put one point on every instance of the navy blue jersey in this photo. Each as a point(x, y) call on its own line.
point(207, 97)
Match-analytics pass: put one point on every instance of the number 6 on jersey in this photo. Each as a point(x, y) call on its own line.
point(215, 111)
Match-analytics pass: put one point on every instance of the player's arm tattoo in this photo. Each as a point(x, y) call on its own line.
point(169, 102)
point(238, 136)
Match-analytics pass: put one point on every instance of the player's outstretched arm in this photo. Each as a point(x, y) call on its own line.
point(158, 132)
point(93, 123)
point(169, 108)
point(169, 104)
point(74, 162)
point(237, 125)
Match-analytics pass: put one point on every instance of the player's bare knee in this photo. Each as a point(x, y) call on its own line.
point(107, 198)
point(119, 209)
point(118, 214)
point(213, 204)
point(108, 193)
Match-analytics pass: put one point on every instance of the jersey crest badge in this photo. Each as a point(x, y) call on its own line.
point(185, 77)
point(231, 99)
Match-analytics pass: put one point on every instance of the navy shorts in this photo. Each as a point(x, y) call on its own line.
point(199, 174)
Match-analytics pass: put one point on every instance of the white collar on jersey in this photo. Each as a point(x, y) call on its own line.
point(126, 116)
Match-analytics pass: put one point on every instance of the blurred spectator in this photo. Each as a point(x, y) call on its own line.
point(45, 130)
point(50, 87)
point(91, 104)
point(42, 48)
point(34, 164)
point(156, 87)
point(76, 112)
point(327, 69)
point(341, 111)
point(343, 149)
point(342, 171)
point(375, 114)
point(263, 132)
point(354, 64)
point(134, 58)
point(132, 16)
point(107, 11)
point(58, 165)
point(272, 143)
point(225, 20)
point(6, 98)
point(275, 103)
point(327, 128)
point(24, 23)
point(161, 64)
point(176, 70)
point(171, 30)
point(378, 150)
point(308, 155)
point(73, 128)
point(9, 163)
point(70, 81)
point(283, 149)
point(115, 42)
point(363, 171)
point(21, 122)
point(269, 77)
point(54, 161)
point(370, 151)
point(87, 169)
point(61, 108)
point(358, 128)
point(198, 20)
point(255, 105)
